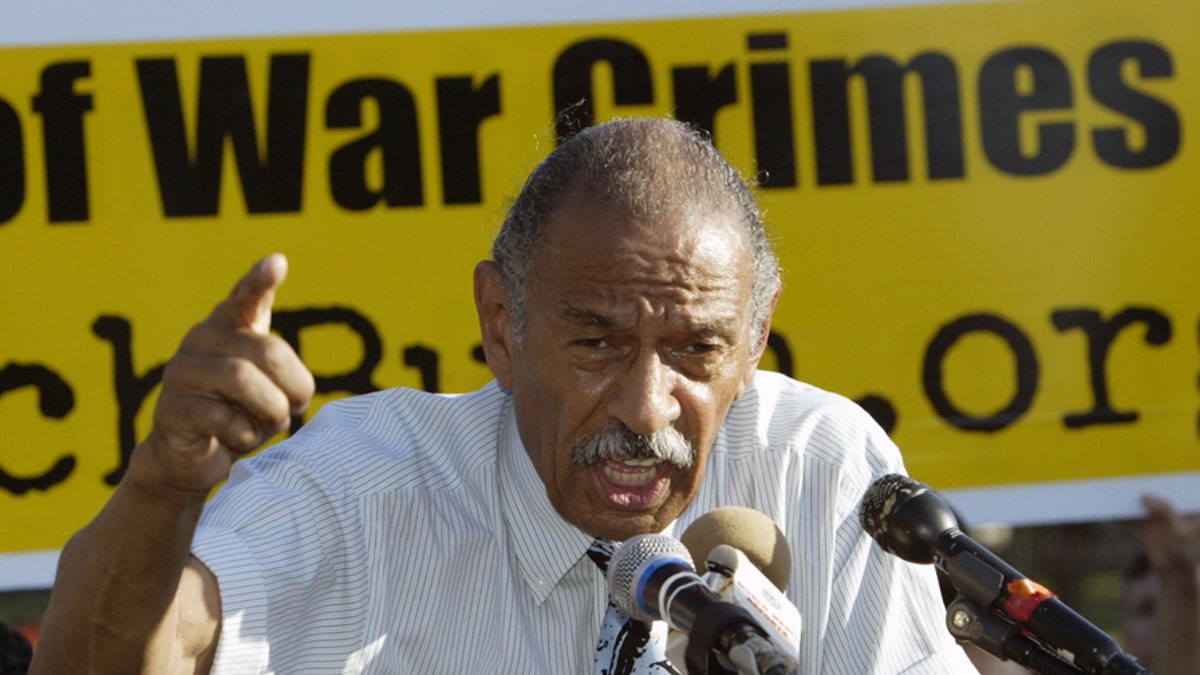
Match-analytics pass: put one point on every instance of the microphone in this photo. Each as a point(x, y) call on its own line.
point(651, 577)
point(750, 531)
point(749, 562)
point(908, 519)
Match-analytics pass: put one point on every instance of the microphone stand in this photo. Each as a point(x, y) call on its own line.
point(1002, 639)
point(725, 640)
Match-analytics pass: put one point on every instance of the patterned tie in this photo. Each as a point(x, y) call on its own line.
point(627, 646)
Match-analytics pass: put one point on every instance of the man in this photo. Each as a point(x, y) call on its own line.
point(623, 315)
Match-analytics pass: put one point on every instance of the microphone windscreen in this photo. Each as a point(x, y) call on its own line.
point(751, 532)
point(881, 500)
point(628, 566)
point(905, 517)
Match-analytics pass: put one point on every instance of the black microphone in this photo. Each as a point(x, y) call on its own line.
point(651, 577)
point(910, 520)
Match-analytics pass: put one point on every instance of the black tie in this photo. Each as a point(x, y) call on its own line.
point(627, 646)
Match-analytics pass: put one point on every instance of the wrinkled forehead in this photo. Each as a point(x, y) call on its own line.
point(601, 226)
point(609, 261)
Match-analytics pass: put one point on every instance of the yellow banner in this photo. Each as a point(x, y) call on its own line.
point(986, 213)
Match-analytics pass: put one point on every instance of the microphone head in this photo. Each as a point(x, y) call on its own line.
point(630, 563)
point(749, 531)
point(905, 517)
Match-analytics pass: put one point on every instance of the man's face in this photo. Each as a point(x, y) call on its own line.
point(634, 329)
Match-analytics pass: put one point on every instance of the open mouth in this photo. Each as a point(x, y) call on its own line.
point(633, 483)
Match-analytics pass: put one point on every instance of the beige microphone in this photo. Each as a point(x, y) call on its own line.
point(751, 532)
point(748, 563)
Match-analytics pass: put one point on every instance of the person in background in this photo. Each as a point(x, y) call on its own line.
point(15, 651)
point(1160, 605)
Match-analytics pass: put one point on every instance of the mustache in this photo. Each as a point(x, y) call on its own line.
point(616, 442)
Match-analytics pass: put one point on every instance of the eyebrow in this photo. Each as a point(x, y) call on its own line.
point(588, 317)
point(711, 329)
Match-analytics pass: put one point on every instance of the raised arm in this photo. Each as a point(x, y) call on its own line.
point(128, 595)
point(1172, 542)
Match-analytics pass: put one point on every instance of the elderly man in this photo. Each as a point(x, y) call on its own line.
point(623, 314)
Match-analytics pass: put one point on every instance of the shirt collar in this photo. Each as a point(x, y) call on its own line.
point(544, 545)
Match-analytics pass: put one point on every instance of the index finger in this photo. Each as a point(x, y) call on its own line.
point(249, 303)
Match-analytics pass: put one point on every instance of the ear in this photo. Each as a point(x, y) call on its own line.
point(491, 305)
point(758, 349)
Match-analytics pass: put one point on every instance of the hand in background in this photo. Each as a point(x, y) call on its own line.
point(1172, 546)
point(1171, 540)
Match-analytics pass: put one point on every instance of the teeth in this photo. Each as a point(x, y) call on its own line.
point(641, 462)
point(631, 478)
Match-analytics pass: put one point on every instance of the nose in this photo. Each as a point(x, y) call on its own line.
point(644, 399)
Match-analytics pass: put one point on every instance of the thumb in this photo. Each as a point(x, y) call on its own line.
point(1159, 509)
point(249, 304)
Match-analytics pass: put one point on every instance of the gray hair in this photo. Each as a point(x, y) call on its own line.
point(651, 168)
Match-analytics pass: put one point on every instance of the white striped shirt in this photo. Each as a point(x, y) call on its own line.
point(405, 532)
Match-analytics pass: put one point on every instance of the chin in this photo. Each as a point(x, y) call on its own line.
point(620, 527)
